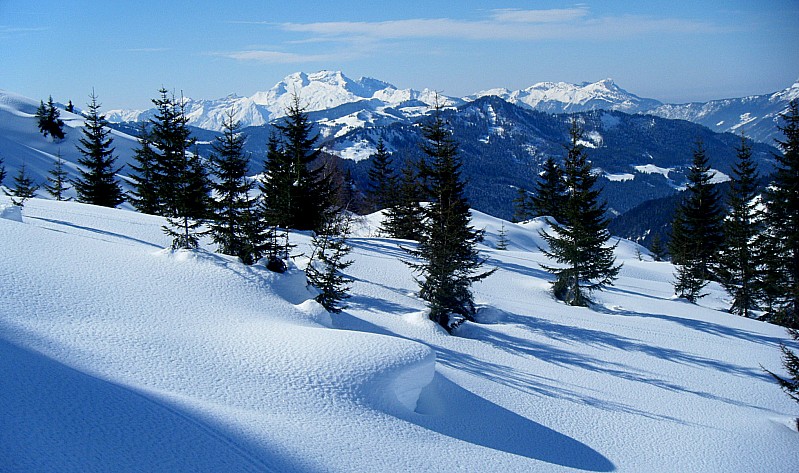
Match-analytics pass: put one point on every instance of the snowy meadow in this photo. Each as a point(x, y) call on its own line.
point(117, 354)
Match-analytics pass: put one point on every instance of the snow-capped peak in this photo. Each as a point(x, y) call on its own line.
point(557, 97)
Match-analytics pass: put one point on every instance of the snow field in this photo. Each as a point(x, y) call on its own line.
point(118, 355)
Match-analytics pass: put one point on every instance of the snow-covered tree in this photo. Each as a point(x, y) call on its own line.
point(328, 261)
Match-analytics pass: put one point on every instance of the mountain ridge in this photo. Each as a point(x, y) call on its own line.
point(368, 101)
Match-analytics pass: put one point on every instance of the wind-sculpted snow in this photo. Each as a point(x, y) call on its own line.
point(119, 355)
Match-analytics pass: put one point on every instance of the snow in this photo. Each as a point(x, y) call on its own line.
point(119, 355)
point(626, 176)
point(652, 169)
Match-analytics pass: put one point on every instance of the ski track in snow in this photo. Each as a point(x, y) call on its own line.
point(118, 355)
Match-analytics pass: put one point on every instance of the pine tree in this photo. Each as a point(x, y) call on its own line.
point(448, 258)
point(23, 189)
point(403, 220)
point(190, 203)
point(522, 206)
point(233, 204)
point(782, 218)
point(502, 238)
point(310, 193)
point(97, 183)
point(791, 363)
point(657, 248)
point(738, 260)
point(57, 179)
point(549, 197)
point(381, 193)
point(587, 264)
point(697, 232)
point(49, 121)
point(145, 195)
point(2, 172)
point(327, 263)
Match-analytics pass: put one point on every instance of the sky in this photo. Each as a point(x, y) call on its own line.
point(674, 51)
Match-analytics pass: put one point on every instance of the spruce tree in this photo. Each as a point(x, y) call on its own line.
point(70, 107)
point(2, 172)
point(448, 260)
point(57, 179)
point(657, 248)
point(233, 205)
point(381, 193)
point(549, 196)
point(502, 238)
point(738, 261)
point(580, 248)
point(403, 220)
point(697, 232)
point(782, 218)
point(790, 361)
point(97, 183)
point(327, 263)
point(145, 195)
point(310, 192)
point(24, 188)
point(522, 206)
point(275, 206)
point(190, 203)
point(49, 120)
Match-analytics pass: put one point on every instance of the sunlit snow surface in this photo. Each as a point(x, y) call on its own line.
point(118, 355)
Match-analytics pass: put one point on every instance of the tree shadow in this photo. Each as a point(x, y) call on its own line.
point(699, 326)
point(94, 230)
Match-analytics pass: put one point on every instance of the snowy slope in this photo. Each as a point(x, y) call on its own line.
point(758, 116)
point(563, 97)
point(117, 355)
point(21, 142)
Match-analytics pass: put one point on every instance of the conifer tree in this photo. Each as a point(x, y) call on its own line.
point(70, 107)
point(2, 172)
point(233, 204)
point(448, 258)
point(190, 203)
point(145, 195)
point(403, 220)
point(310, 192)
point(580, 247)
point(522, 206)
point(697, 231)
point(790, 361)
point(327, 263)
point(97, 183)
point(738, 261)
point(49, 120)
point(782, 218)
point(381, 193)
point(502, 238)
point(57, 179)
point(549, 196)
point(24, 188)
point(275, 206)
point(657, 248)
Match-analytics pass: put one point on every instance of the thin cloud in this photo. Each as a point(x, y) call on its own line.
point(506, 24)
point(539, 16)
point(14, 30)
point(280, 57)
point(146, 50)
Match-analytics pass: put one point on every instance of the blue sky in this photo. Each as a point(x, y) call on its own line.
point(673, 51)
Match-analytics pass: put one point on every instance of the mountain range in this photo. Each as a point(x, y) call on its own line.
point(341, 104)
